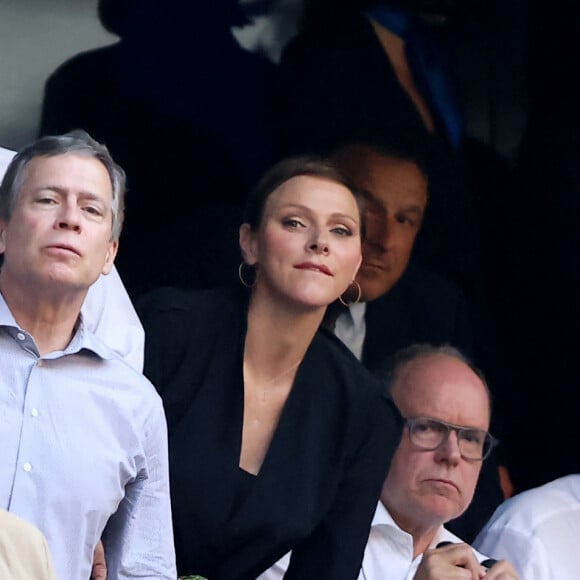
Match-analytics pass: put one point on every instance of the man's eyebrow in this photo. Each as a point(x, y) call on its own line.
point(92, 196)
point(413, 209)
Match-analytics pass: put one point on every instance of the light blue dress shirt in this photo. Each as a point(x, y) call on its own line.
point(83, 453)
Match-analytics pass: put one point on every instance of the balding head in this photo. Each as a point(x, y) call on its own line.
point(427, 488)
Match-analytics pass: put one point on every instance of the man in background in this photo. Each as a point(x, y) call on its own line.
point(402, 303)
point(446, 407)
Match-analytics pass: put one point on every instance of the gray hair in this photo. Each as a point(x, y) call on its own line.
point(77, 142)
point(399, 360)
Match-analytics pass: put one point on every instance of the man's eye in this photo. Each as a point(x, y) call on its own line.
point(426, 427)
point(403, 219)
point(93, 210)
point(473, 436)
point(46, 200)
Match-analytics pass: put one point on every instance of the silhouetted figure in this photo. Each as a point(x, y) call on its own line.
point(356, 76)
point(181, 106)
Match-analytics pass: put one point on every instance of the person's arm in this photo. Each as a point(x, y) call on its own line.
point(335, 548)
point(138, 538)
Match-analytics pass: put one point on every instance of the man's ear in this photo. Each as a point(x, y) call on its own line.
point(110, 257)
point(248, 244)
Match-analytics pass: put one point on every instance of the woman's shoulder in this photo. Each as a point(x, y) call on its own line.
point(353, 376)
point(186, 306)
point(354, 394)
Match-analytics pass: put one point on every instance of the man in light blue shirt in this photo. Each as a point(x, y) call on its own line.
point(84, 443)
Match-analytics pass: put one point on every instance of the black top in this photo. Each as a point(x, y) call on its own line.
point(320, 480)
point(421, 308)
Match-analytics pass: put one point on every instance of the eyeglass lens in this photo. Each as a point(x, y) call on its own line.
point(429, 434)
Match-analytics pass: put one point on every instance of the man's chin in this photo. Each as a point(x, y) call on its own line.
point(373, 287)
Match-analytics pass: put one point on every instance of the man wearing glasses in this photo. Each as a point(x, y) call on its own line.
point(446, 404)
point(433, 474)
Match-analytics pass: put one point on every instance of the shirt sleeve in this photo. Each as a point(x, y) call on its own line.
point(335, 548)
point(138, 538)
point(526, 554)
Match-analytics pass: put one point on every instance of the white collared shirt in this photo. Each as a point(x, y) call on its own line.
point(388, 553)
point(389, 550)
point(538, 531)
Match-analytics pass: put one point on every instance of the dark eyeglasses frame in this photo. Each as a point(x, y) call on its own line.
point(490, 440)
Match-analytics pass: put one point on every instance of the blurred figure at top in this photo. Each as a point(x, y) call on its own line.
point(182, 107)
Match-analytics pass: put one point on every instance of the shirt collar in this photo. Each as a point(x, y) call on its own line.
point(382, 517)
point(82, 339)
point(357, 312)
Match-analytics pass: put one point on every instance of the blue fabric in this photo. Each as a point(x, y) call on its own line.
point(429, 65)
point(84, 454)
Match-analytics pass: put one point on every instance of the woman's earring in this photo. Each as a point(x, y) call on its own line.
point(241, 275)
point(348, 291)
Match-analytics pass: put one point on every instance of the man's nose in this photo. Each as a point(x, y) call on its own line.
point(389, 234)
point(69, 217)
point(449, 451)
point(381, 234)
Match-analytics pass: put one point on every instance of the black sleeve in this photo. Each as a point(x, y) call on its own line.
point(336, 547)
point(169, 323)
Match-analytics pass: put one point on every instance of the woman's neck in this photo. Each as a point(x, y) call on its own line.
point(278, 334)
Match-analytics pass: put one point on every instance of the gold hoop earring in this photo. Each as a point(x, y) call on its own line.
point(358, 294)
point(241, 275)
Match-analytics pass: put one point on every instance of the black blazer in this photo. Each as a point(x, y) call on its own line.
point(318, 486)
point(421, 308)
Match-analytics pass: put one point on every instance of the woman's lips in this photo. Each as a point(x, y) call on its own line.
point(314, 267)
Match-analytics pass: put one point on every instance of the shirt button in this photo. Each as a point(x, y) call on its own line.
point(39, 363)
point(34, 412)
point(27, 467)
point(20, 336)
